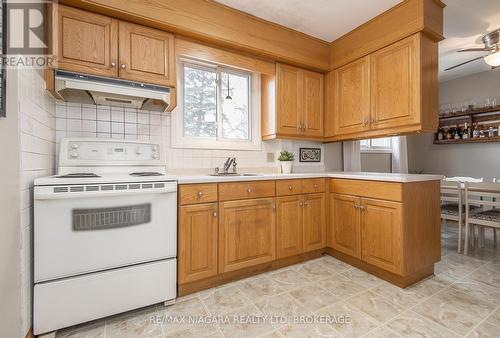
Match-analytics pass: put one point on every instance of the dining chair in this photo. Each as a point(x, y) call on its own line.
point(464, 179)
point(483, 195)
point(451, 206)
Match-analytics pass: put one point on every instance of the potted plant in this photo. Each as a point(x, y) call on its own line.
point(286, 158)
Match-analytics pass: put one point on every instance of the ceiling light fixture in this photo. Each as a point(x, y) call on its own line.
point(493, 59)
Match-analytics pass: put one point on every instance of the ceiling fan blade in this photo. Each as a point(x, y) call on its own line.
point(474, 50)
point(463, 63)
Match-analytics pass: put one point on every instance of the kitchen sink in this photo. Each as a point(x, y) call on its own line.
point(233, 174)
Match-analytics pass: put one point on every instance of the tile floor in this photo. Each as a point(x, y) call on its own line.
point(462, 299)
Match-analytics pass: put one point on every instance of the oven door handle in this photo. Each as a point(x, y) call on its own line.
point(41, 193)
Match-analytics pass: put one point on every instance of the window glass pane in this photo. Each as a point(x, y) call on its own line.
point(381, 142)
point(235, 118)
point(365, 143)
point(200, 102)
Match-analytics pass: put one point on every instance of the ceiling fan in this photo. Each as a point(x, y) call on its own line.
point(491, 44)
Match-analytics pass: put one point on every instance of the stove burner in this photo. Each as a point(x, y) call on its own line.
point(78, 175)
point(146, 173)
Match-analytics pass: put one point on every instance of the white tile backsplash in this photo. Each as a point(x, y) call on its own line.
point(39, 118)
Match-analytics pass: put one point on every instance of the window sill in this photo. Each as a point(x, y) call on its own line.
point(218, 145)
point(375, 151)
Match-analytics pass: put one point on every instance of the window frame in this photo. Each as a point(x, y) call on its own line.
point(376, 149)
point(180, 140)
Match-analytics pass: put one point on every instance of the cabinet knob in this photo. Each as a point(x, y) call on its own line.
point(113, 64)
point(315, 186)
point(301, 204)
point(249, 190)
point(122, 66)
point(290, 188)
point(362, 208)
point(200, 193)
point(215, 213)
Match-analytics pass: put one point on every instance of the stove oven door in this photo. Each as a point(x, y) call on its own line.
point(81, 232)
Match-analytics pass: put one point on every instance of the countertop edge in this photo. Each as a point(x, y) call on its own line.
point(404, 178)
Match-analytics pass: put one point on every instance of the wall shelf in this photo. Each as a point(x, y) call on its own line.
point(482, 116)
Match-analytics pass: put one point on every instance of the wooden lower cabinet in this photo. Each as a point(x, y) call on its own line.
point(314, 222)
point(381, 227)
point(198, 230)
point(289, 233)
point(247, 233)
point(345, 224)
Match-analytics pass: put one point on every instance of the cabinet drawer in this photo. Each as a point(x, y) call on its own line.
point(313, 185)
point(391, 191)
point(288, 187)
point(197, 193)
point(246, 190)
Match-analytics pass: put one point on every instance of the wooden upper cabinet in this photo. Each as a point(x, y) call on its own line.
point(314, 222)
point(247, 233)
point(198, 230)
point(289, 99)
point(352, 97)
point(312, 103)
point(292, 104)
point(381, 230)
point(289, 235)
point(146, 54)
point(95, 44)
point(345, 224)
point(395, 84)
point(85, 42)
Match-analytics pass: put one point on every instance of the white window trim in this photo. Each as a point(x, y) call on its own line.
point(179, 140)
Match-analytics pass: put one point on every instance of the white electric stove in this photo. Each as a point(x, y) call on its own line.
point(105, 232)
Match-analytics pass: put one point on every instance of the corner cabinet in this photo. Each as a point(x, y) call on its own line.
point(247, 233)
point(391, 91)
point(96, 44)
point(292, 104)
point(387, 228)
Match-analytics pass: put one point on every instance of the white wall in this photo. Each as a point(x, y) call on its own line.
point(376, 162)
point(474, 159)
point(10, 236)
point(75, 120)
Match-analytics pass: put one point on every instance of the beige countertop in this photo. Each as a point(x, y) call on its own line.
point(385, 177)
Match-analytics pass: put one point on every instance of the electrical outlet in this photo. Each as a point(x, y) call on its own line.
point(270, 157)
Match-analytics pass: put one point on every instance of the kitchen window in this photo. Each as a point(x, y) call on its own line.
point(218, 108)
point(383, 144)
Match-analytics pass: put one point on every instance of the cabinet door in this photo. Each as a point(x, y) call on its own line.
point(146, 54)
point(289, 99)
point(86, 42)
point(345, 224)
point(312, 103)
point(381, 234)
point(352, 97)
point(247, 233)
point(198, 228)
point(395, 85)
point(289, 226)
point(314, 222)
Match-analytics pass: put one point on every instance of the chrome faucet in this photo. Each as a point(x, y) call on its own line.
point(231, 161)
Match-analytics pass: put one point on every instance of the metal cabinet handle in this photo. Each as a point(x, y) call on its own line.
point(315, 186)
point(362, 208)
point(200, 193)
point(356, 206)
point(113, 64)
point(290, 188)
point(249, 190)
point(215, 213)
point(301, 204)
point(122, 66)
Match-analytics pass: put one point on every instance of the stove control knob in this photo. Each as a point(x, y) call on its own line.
point(155, 156)
point(139, 151)
point(74, 146)
point(73, 154)
point(155, 148)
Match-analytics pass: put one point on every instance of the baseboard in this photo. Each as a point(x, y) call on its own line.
point(30, 334)
point(401, 281)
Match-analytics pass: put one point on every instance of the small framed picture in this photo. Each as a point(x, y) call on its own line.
point(310, 155)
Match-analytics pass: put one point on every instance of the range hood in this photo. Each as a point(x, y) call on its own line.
point(82, 88)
